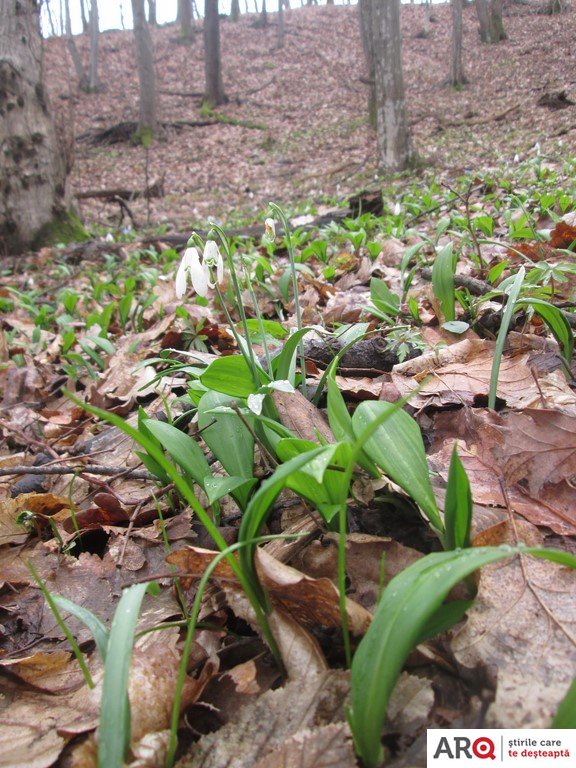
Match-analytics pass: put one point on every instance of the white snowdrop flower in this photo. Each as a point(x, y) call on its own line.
point(516, 158)
point(281, 385)
point(190, 261)
point(199, 271)
point(270, 229)
point(397, 209)
point(212, 260)
point(254, 402)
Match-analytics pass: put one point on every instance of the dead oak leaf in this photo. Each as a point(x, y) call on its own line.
point(323, 747)
point(522, 631)
point(539, 449)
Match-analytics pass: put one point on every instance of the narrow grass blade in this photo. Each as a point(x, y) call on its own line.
point(409, 603)
point(502, 333)
point(99, 631)
point(114, 729)
point(457, 505)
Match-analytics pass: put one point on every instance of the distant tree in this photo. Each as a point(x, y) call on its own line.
point(281, 24)
point(94, 27)
point(185, 19)
point(263, 15)
point(81, 75)
point(235, 10)
point(148, 99)
point(490, 19)
point(365, 18)
point(152, 20)
point(214, 89)
point(385, 48)
point(33, 203)
point(457, 76)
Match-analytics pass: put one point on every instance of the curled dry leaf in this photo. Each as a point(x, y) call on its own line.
point(460, 375)
point(266, 723)
point(322, 747)
point(309, 601)
point(522, 631)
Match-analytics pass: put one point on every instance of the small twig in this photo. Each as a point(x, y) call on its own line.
point(92, 469)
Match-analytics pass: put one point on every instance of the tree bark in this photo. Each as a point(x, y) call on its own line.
point(185, 19)
point(235, 10)
point(93, 81)
point(152, 13)
point(33, 171)
point(457, 76)
point(280, 24)
point(148, 118)
point(365, 19)
point(392, 132)
point(490, 20)
point(214, 93)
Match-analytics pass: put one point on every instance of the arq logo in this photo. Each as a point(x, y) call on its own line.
point(458, 747)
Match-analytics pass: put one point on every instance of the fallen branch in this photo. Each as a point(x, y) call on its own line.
point(154, 189)
point(92, 469)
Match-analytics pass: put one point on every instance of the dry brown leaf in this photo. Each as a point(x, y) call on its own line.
point(55, 672)
point(502, 450)
point(264, 724)
point(298, 414)
point(460, 375)
point(327, 746)
point(522, 630)
point(309, 601)
point(35, 727)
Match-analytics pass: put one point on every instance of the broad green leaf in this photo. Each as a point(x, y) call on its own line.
point(271, 327)
point(341, 424)
point(230, 375)
point(114, 728)
point(89, 619)
point(284, 364)
point(257, 510)
point(383, 298)
point(457, 505)
point(226, 435)
point(408, 604)
point(325, 487)
point(456, 326)
point(556, 321)
point(443, 280)
point(217, 487)
point(184, 449)
point(565, 716)
point(397, 448)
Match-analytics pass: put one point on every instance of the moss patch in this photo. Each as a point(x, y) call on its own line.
point(64, 228)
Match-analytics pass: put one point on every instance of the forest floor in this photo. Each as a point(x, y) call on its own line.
point(132, 448)
point(310, 142)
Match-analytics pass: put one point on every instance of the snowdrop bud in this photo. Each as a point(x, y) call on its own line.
point(270, 229)
point(254, 402)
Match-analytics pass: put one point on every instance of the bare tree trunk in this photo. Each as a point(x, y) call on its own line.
point(147, 122)
point(83, 82)
point(263, 15)
point(393, 135)
point(185, 19)
point(490, 19)
point(152, 13)
point(365, 19)
point(457, 76)
point(84, 17)
point(33, 203)
point(93, 82)
point(280, 23)
point(214, 93)
point(235, 10)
